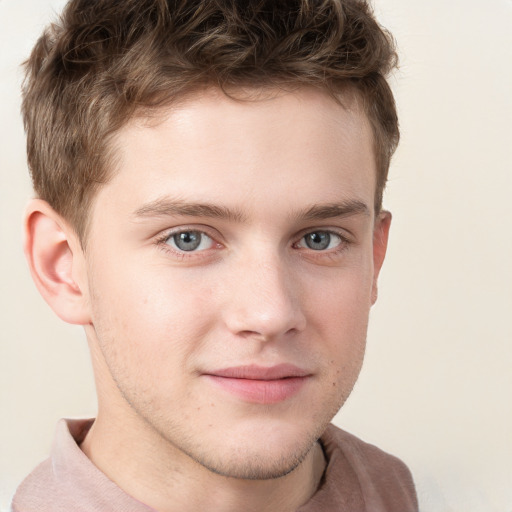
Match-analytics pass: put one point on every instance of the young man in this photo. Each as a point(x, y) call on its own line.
point(209, 178)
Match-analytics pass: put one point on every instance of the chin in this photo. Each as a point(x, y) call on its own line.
point(268, 452)
point(254, 466)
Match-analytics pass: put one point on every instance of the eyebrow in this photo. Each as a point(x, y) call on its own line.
point(164, 207)
point(335, 210)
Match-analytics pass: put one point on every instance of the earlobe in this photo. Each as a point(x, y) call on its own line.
point(380, 244)
point(52, 251)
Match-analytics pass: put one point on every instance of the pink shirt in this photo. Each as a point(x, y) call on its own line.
point(358, 478)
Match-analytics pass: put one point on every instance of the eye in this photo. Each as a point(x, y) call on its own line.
point(188, 241)
point(320, 240)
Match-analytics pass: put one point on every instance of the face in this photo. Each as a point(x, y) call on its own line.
point(231, 265)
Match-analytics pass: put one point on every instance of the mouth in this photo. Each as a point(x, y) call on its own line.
point(259, 384)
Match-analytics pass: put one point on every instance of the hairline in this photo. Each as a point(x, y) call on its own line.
point(249, 93)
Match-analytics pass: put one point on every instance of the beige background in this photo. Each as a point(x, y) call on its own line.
point(437, 385)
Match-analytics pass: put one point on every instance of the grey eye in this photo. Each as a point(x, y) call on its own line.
point(320, 240)
point(188, 241)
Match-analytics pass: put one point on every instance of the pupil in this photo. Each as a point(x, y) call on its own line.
point(318, 241)
point(187, 241)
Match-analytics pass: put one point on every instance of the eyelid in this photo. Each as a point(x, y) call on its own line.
point(161, 240)
point(183, 228)
point(204, 241)
point(330, 233)
point(343, 234)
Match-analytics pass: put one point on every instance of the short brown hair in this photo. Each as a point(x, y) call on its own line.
point(105, 60)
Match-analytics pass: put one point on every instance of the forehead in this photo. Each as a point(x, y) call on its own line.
point(302, 145)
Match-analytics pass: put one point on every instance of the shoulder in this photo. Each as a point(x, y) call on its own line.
point(384, 481)
point(69, 482)
point(362, 454)
point(47, 487)
point(39, 491)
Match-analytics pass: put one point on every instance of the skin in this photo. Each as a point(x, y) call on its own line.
point(160, 321)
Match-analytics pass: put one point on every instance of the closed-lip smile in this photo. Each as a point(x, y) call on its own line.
point(260, 384)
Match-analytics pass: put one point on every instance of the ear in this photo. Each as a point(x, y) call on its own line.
point(56, 262)
point(380, 244)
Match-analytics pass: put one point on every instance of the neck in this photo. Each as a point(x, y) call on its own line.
point(166, 479)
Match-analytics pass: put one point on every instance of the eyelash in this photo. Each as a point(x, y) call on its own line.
point(330, 254)
point(162, 240)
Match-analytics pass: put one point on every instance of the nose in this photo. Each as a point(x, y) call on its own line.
point(263, 299)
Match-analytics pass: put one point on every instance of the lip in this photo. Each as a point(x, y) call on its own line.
point(260, 384)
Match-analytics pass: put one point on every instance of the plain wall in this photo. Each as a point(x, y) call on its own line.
point(436, 388)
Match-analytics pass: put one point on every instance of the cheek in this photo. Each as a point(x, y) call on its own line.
point(339, 317)
point(147, 318)
point(341, 300)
